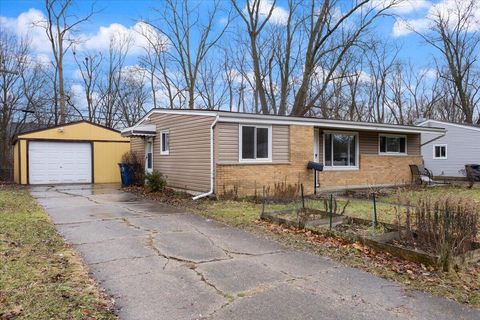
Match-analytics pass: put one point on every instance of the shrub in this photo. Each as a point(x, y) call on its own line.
point(445, 224)
point(136, 165)
point(229, 194)
point(155, 181)
point(282, 192)
point(130, 157)
point(330, 205)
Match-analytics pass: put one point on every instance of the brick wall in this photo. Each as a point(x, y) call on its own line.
point(374, 170)
point(249, 179)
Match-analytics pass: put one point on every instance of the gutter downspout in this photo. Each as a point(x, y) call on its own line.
point(434, 139)
point(212, 156)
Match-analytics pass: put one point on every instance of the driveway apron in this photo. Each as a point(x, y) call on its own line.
point(159, 262)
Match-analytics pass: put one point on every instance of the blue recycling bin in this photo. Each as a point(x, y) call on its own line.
point(126, 174)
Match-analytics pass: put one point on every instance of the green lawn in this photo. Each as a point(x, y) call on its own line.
point(236, 213)
point(460, 190)
point(40, 277)
point(245, 212)
point(355, 208)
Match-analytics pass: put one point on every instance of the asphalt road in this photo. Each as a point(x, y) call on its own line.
point(161, 263)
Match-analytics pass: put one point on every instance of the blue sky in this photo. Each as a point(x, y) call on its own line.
point(123, 15)
point(128, 12)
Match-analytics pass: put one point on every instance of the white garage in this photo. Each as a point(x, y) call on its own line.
point(52, 162)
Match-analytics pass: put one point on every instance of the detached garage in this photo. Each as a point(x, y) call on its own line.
point(77, 152)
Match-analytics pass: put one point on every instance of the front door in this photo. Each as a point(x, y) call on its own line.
point(148, 155)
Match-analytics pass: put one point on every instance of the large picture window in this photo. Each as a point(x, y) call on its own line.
point(340, 150)
point(255, 143)
point(393, 144)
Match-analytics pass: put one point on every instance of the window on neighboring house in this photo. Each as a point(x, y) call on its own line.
point(164, 142)
point(340, 150)
point(255, 143)
point(440, 151)
point(393, 144)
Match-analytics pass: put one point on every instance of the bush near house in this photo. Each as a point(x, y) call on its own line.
point(155, 181)
point(133, 160)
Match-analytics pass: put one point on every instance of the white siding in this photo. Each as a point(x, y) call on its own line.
point(463, 147)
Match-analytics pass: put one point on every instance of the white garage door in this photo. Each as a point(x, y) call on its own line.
point(59, 162)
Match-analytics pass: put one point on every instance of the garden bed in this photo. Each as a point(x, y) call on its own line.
point(384, 237)
point(301, 217)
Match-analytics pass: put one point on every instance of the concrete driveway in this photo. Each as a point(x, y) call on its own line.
point(161, 263)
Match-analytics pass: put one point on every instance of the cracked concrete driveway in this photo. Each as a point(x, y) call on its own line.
point(159, 262)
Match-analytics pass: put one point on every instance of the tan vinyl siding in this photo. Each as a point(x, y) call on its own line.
point(413, 144)
point(227, 143)
point(137, 145)
point(368, 143)
point(280, 144)
point(187, 165)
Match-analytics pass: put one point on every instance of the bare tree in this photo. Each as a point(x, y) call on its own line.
point(191, 34)
point(13, 57)
point(381, 61)
point(255, 23)
point(330, 37)
point(89, 66)
point(23, 90)
point(109, 88)
point(132, 95)
point(158, 62)
point(213, 84)
point(453, 34)
point(60, 27)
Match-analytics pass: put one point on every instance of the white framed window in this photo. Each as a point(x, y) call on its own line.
point(164, 142)
point(255, 143)
point(340, 150)
point(440, 151)
point(392, 144)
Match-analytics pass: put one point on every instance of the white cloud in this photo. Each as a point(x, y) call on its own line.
point(135, 34)
point(403, 7)
point(405, 27)
point(135, 73)
point(26, 25)
point(43, 59)
point(444, 8)
point(410, 6)
point(365, 77)
point(279, 15)
point(79, 98)
point(428, 73)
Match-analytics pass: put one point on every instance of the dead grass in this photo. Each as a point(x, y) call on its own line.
point(40, 276)
point(462, 285)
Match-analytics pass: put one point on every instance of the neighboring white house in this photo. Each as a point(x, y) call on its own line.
point(446, 154)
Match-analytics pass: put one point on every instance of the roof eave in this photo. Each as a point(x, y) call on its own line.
point(336, 124)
